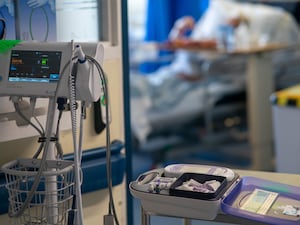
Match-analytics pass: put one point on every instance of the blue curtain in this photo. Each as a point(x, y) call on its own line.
point(161, 15)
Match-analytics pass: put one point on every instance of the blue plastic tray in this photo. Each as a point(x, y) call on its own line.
point(287, 195)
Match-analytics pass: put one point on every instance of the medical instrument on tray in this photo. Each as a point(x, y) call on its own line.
point(193, 191)
point(47, 190)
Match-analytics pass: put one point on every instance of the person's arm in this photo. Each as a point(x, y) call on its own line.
point(236, 21)
point(181, 26)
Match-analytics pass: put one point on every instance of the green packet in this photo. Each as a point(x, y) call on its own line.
point(6, 45)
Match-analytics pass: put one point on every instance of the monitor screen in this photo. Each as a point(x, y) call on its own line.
point(34, 66)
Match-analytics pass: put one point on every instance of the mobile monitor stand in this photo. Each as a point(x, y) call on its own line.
point(42, 70)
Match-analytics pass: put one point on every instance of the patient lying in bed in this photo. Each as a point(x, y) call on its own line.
point(168, 96)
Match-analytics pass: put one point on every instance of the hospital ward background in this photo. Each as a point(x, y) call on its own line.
point(200, 82)
point(191, 103)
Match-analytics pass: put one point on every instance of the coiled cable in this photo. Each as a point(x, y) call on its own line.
point(73, 107)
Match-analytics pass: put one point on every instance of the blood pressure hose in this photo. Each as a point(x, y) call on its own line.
point(3, 31)
point(77, 149)
point(112, 209)
point(47, 23)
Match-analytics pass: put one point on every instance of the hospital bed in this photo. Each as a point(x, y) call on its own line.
point(172, 110)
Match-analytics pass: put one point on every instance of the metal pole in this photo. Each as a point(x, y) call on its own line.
point(260, 85)
point(51, 188)
point(145, 217)
point(187, 221)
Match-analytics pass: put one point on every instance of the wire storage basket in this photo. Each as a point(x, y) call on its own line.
point(39, 197)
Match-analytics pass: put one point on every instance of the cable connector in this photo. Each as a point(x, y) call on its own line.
point(15, 99)
point(108, 219)
point(61, 104)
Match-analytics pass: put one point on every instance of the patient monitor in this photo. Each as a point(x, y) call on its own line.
point(36, 69)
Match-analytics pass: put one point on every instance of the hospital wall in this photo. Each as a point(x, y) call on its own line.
point(95, 203)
